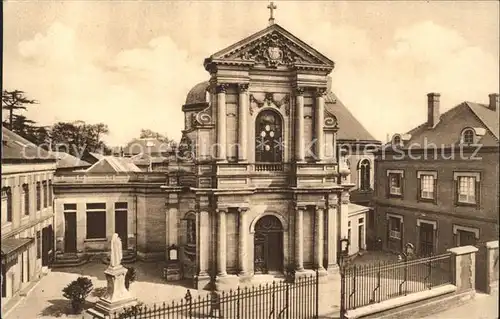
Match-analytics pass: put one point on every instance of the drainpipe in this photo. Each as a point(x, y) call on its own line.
point(135, 207)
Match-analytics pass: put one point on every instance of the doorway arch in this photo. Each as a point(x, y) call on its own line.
point(268, 245)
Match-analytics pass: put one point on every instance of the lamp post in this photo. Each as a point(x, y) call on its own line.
point(344, 254)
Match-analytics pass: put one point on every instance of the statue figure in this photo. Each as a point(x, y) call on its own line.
point(116, 251)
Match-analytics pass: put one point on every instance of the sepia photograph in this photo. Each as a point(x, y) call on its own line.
point(250, 159)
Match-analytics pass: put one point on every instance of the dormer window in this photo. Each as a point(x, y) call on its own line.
point(468, 136)
point(397, 141)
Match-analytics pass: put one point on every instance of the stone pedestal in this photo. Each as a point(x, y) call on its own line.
point(172, 271)
point(226, 282)
point(117, 297)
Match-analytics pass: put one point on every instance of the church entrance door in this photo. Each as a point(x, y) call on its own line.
point(268, 245)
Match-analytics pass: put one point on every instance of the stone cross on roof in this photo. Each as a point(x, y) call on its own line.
point(271, 8)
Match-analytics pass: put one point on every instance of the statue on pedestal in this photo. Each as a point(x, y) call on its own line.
point(117, 296)
point(116, 256)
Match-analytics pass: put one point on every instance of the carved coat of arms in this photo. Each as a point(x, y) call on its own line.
point(274, 53)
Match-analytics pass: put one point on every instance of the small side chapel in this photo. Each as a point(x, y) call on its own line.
point(258, 187)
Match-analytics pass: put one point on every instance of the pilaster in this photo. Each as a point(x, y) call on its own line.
point(299, 238)
point(221, 234)
point(320, 119)
point(319, 240)
point(299, 124)
point(221, 121)
point(242, 124)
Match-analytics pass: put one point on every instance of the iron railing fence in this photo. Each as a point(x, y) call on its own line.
point(297, 299)
point(374, 283)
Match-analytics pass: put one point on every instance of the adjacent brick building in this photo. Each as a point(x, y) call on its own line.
point(437, 185)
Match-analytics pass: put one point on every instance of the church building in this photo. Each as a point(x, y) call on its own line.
point(257, 186)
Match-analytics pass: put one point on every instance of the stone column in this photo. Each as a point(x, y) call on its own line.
point(319, 237)
point(320, 119)
point(242, 124)
point(243, 237)
point(299, 238)
point(332, 237)
point(203, 242)
point(221, 121)
point(344, 213)
point(221, 252)
point(299, 124)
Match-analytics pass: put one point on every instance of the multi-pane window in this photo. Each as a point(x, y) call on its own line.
point(467, 189)
point(49, 191)
point(45, 193)
point(427, 186)
point(7, 203)
point(26, 199)
point(191, 231)
point(364, 174)
point(394, 228)
point(468, 136)
point(96, 220)
point(38, 196)
point(395, 184)
point(269, 144)
point(38, 244)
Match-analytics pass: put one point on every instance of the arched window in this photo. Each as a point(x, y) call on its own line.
point(364, 174)
point(396, 140)
point(269, 144)
point(468, 136)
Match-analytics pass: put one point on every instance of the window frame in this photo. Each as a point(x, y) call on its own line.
point(278, 156)
point(7, 194)
point(38, 194)
point(96, 211)
point(463, 136)
point(390, 231)
point(400, 174)
point(477, 188)
point(420, 180)
point(365, 179)
point(45, 193)
point(25, 199)
point(456, 228)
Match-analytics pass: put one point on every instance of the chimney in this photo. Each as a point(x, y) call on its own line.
point(328, 84)
point(493, 101)
point(433, 109)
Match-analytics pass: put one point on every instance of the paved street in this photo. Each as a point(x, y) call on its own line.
point(482, 307)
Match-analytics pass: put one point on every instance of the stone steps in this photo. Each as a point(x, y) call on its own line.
point(129, 257)
point(69, 260)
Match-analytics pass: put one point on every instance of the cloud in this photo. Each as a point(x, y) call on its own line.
point(143, 87)
point(383, 83)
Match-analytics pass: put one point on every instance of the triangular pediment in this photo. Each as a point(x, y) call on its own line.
point(273, 46)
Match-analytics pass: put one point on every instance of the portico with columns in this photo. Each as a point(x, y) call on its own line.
point(258, 166)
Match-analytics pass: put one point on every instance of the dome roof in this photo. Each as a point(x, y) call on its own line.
point(198, 93)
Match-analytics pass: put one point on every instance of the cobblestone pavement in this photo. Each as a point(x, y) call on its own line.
point(481, 307)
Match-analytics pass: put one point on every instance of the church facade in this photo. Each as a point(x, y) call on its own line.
point(258, 175)
point(257, 186)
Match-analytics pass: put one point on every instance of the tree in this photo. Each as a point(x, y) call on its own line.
point(13, 101)
point(77, 291)
point(147, 133)
point(78, 137)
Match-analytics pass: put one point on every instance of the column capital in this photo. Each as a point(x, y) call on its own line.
point(344, 199)
point(299, 90)
point(332, 206)
point(221, 210)
point(221, 87)
point(243, 87)
point(319, 92)
point(243, 209)
point(300, 207)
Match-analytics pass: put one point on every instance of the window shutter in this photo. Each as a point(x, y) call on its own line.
point(455, 186)
point(388, 188)
point(419, 187)
point(402, 184)
point(435, 190)
point(478, 194)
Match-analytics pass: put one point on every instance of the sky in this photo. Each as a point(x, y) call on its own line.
point(130, 64)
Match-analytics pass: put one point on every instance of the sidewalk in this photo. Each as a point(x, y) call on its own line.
point(483, 306)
